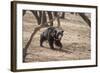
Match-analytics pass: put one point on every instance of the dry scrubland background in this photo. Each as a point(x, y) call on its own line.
point(76, 40)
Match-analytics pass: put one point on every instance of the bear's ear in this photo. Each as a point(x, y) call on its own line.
point(62, 31)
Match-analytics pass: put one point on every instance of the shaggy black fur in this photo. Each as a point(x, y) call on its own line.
point(53, 36)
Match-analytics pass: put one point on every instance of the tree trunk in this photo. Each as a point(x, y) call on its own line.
point(63, 15)
point(50, 17)
point(44, 20)
point(24, 11)
point(37, 16)
point(58, 20)
point(36, 29)
point(86, 19)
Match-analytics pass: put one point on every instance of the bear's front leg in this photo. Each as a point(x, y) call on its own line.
point(51, 43)
point(58, 43)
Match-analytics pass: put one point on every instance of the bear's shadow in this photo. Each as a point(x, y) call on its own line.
point(60, 50)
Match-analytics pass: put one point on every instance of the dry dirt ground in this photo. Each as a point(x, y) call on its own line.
point(76, 40)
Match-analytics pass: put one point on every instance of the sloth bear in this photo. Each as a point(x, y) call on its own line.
point(53, 35)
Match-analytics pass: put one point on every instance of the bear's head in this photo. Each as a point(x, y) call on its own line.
point(58, 34)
